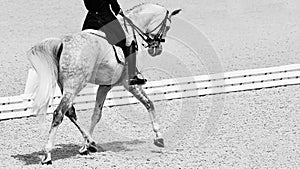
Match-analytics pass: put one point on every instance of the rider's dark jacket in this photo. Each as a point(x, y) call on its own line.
point(102, 15)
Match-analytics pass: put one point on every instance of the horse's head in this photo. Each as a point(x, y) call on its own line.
point(157, 31)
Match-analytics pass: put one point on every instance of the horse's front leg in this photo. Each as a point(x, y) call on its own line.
point(89, 143)
point(140, 94)
point(90, 146)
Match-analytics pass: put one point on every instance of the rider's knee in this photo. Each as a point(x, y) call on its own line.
point(122, 43)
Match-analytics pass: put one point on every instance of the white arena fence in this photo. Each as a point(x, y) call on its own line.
point(169, 89)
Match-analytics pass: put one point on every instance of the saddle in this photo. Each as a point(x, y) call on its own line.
point(117, 50)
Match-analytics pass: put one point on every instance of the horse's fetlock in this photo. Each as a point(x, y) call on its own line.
point(71, 113)
point(48, 148)
point(155, 127)
point(57, 122)
point(149, 105)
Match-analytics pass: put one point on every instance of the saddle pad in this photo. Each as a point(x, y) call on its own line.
point(117, 50)
point(95, 32)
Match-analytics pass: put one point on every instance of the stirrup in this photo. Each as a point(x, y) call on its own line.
point(137, 81)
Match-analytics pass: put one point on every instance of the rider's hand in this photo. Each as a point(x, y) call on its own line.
point(121, 12)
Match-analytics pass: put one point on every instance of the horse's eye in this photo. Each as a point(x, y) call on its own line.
point(152, 35)
point(168, 28)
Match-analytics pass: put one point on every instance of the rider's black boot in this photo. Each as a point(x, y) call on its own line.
point(130, 54)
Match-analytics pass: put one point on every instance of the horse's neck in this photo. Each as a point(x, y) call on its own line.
point(144, 16)
point(142, 20)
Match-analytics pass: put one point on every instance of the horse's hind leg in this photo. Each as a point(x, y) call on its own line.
point(71, 113)
point(89, 143)
point(101, 96)
point(58, 116)
point(140, 94)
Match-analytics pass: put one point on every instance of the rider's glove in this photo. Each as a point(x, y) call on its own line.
point(121, 12)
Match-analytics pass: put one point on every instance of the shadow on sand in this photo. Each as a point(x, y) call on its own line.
point(65, 151)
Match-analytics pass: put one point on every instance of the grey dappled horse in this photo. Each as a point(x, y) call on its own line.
point(81, 58)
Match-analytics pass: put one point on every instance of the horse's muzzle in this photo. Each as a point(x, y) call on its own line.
point(155, 51)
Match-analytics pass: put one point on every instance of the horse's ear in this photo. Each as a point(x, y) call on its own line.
point(175, 12)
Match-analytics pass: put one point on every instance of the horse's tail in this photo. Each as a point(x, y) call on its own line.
point(44, 58)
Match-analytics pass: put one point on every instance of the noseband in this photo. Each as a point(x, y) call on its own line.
point(152, 40)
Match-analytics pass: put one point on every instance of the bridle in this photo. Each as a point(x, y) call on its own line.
point(152, 40)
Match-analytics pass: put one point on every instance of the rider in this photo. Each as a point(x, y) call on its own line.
point(102, 15)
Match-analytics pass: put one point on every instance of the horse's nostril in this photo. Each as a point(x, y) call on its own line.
point(151, 51)
point(159, 51)
point(154, 51)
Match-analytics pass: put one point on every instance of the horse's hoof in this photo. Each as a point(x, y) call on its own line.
point(84, 153)
point(92, 147)
point(159, 142)
point(46, 162)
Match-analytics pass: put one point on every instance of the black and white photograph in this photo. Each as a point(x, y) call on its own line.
point(150, 84)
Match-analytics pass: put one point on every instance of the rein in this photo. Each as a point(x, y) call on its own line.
point(158, 38)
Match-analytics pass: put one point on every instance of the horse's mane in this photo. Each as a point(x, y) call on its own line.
point(136, 6)
point(140, 5)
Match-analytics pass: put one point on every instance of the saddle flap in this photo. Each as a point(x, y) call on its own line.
point(95, 32)
point(117, 50)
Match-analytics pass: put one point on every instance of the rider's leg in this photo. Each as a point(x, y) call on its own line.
point(130, 54)
point(118, 37)
point(131, 61)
